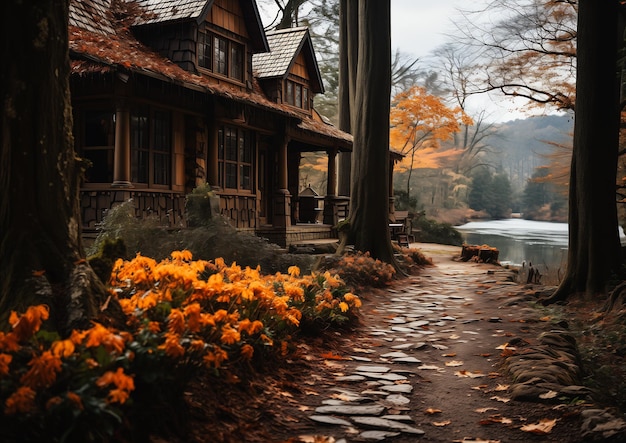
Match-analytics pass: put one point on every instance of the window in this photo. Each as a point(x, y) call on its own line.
point(221, 55)
point(151, 147)
point(297, 95)
point(99, 145)
point(236, 61)
point(205, 51)
point(235, 155)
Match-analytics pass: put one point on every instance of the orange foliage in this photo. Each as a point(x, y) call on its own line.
point(421, 121)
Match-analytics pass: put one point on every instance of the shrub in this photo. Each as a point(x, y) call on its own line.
point(182, 315)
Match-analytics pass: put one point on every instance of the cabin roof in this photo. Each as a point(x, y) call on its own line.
point(166, 11)
point(99, 45)
point(91, 15)
point(285, 45)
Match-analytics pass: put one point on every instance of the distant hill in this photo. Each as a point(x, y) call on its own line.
point(520, 145)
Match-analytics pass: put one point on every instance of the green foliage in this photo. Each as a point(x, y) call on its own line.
point(540, 200)
point(490, 193)
point(431, 231)
point(102, 262)
point(213, 237)
point(403, 201)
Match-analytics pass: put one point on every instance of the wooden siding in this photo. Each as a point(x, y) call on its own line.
point(299, 68)
point(227, 14)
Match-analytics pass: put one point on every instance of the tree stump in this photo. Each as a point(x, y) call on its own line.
point(480, 253)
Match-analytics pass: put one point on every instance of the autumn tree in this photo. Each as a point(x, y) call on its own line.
point(41, 254)
point(523, 48)
point(421, 121)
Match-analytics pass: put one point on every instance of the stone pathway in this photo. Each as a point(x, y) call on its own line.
point(436, 358)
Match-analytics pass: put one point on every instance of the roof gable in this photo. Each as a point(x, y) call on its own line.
point(166, 11)
point(285, 45)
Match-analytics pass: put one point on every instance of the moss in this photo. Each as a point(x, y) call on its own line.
point(102, 262)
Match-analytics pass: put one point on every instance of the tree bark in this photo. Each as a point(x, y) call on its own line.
point(41, 254)
point(369, 203)
point(594, 245)
point(348, 56)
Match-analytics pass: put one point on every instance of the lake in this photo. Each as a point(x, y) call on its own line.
point(518, 240)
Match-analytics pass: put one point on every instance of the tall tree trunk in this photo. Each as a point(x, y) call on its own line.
point(41, 255)
point(369, 203)
point(594, 245)
point(348, 56)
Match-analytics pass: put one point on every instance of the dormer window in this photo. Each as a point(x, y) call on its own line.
point(297, 95)
point(221, 55)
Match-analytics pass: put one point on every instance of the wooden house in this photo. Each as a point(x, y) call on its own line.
point(171, 94)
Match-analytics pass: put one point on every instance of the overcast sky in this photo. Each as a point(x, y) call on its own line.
point(420, 26)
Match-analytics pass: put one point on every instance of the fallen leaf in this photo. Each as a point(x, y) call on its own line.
point(454, 363)
point(495, 419)
point(544, 426)
point(452, 354)
point(549, 394)
point(330, 356)
point(484, 355)
point(309, 392)
point(428, 367)
point(454, 337)
point(470, 374)
point(483, 410)
point(502, 399)
point(546, 318)
point(479, 387)
point(303, 408)
point(432, 411)
point(441, 423)
point(500, 387)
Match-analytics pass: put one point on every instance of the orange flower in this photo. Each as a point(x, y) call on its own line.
point(43, 370)
point(183, 255)
point(154, 327)
point(9, 342)
point(75, 398)
point(98, 335)
point(62, 348)
point(215, 358)
point(124, 384)
point(192, 312)
point(293, 271)
point(176, 321)
point(172, 346)
point(21, 401)
point(247, 351)
point(230, 335)
point(344, 306)
point(5, 361)
point(26, 325)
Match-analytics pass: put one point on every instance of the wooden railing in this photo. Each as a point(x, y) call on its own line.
point(167, 207)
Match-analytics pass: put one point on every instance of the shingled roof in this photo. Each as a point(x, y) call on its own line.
point(171, 10)
point(97, 47)
point(285, 45)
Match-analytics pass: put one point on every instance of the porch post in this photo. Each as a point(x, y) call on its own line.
point(330, 212)
point(121, 153)
point(212, 160)
point(282, 199)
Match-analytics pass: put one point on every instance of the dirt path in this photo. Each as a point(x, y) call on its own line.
point(427, 365)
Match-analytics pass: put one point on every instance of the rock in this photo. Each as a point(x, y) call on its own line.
point(330, 420)
point(351, 409)
point(391, 425)
point(377, 435)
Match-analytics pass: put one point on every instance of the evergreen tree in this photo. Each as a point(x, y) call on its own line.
point(481, 189)
point(500, 204)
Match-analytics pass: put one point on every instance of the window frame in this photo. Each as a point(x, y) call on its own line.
point(151, 147)
point(236, 152)
point(227, 56)
point(107, 149)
